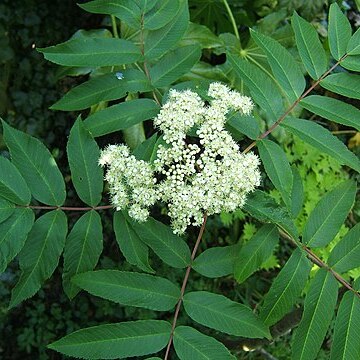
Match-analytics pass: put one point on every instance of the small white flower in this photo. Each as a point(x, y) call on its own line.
point(209, 177)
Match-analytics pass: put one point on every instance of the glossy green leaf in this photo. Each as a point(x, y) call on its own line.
point(121, 116)
point(93, 52)
point(217, 261)
point(174, 64)
point(329, 214)
point(297, 193)
point(283, 65)
point(129, 11)
point(353, 47)
point(40, 255)
point(344, 84)
point(12, 185)
point(286, 288)
point(310, 48)
point(82, 250)
point(115, 341)
point(318, 311)
point(262, 88)
point(264, 208)
point(160, 41)
point(222, 314)
point(245, 124)
point(86, 174)
point(277, 168)
point(346, 254)
point(202, 35)
point(130, 288)
point(255, 252)
point(322, 139)
point(191, 344)
point(13, 233)
point(333, 109)
point(131, 246)
point(103, 88)
point(345, 344)
point(170, 248)
point(145, 150)
point(6, 209)
point(162, 13)
point(339, 32)
point(36, 165)
point(351, 63)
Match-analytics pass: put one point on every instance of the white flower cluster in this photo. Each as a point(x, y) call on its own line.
point(200, 175)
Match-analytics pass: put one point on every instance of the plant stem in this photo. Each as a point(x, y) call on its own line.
point(317, 261)
point(67, 208)
point(114, 27)
point(232, 19)
point(183, 286)
point(295, 103)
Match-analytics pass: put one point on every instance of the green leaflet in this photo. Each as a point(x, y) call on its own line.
point(351, 63)
point(245, 124)
point(264, 208)
point(222, 314)
point(191, 344)
point(121, 116)
point(286, 288)
point(277, 168)
point(346, 254)
point(103, 88)
point(12, 185)
point(36, 165)
point(13, 233)
point(339, 32)
point(40, 254)
point(130, 288)
point(255, 252)
point(353, 47)
point(345, 344)
point(6, 209)
point(162, 13)
point(318, 311)
point(333, 109)
point(170, 248)
point(83, 247)
point(344, 84)
point(217, 261)
point(310, 48)
point(131, 246)
point(283, 65)
point(262, 88)
point(297, 193)
point(115, 341)
point(322, 139)
point(174, 64)
point(329, 214)
point(86, 174)
point(202, 35)
point(145, 151)
point(129, 11)
point(160, 41)
point(94, 52)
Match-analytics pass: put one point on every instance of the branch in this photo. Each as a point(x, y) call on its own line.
point(183, 286)
point(67, 208)
point(291, 108)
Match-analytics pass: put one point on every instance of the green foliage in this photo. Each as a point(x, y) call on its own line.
point(131, 71)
